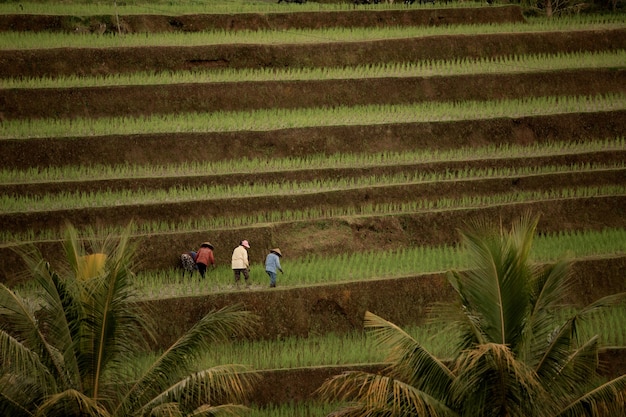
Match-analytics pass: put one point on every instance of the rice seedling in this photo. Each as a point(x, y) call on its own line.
point(309, 162)
point(357, 348)
point(271, 119)
point(347, 267)
point(430, 68)
point(36, 40)
point(316, 350)
point(319, 213)
point(167, 7)
point(108, 198)
point(306, 409)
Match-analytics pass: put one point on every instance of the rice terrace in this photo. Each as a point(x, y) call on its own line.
point(360, 139)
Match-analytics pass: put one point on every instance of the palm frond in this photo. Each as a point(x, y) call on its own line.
point(175, 362)
point(492, 382)
point(410, 361)
point(600, 306)
point(25, 329)
point(606, 400)
point(372, 394)
point(466, 320)
point(550, 286)
point(71, 402)
point(9, 406)
point(112, 327)
point(496, 286)
point(17, 359)
point(219, 410)
point(555, 353)
point(225, 384)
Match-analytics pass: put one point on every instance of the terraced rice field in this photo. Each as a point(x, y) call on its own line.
point(358, 140)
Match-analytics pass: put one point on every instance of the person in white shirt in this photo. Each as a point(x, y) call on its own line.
point(240, 263)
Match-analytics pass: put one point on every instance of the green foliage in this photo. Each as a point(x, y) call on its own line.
point(429, 68)
point(308, 162)
point(64, 201)
point(66, 352)
point(18, 40)
point(273, 118)
point(515, 355)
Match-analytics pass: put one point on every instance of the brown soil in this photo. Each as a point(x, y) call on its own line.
point(372, 139)
point(260, 21)
point(293, 201)
point(91, 61)
point(301, 384)
point(339, 307)
point(163, 99)
point(327, 174)
point(338, 235)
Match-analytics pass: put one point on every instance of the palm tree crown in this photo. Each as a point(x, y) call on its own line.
point(515, 356)
point(70, 352)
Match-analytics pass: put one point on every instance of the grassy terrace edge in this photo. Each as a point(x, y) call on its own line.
point(38, 41)
point(432, 227)
point(315, 162)
point(274, 119)
point(106, 198)
point(431, 68)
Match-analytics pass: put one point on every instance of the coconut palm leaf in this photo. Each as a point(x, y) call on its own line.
point(379, 395)
point(549, 287)
point(410, 362)
point(8, 404)
point(492, 382)
point(496, 285)
point(606, 400)
point(17, 359)
point(176, 361)
point(226, 384)
point(71, 403)
point(219, 410)
point(69, 353)
point(29, 337)
point(109, 327)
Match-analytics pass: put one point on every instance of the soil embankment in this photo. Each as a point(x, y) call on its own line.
point(104, 61)
point(136, 101)
point(171, 148)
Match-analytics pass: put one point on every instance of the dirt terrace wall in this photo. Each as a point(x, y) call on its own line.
point(358, 234)
point(103, 61)
point(299, 385)
point(608, 157)
point(220, 207)
point(340, 307)
point(371, 139)
point(127, 101)
point(259, 21)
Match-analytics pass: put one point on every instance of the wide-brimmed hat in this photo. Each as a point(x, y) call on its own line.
point(245, 244)
point(207, 245)
point(277, 252)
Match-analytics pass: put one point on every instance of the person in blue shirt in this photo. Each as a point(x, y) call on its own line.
point(272, 265)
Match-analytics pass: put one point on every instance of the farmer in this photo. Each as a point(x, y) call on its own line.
point(272, 265)
point(240, 262)
point(205, 258)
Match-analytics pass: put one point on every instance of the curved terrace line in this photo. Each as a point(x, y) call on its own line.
point(431, 68)
point(28, 41)
point(337, 161)
point(277, 217)
point(273, 119)
point(71, 200)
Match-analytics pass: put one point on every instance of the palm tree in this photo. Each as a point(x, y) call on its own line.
point(515, 357)
point(70, 352)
